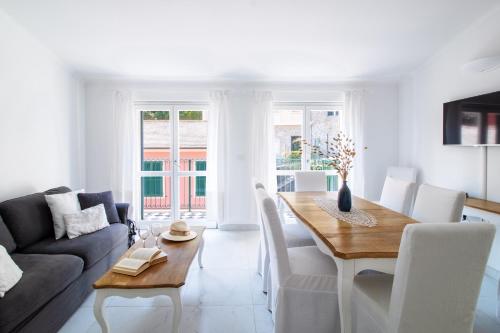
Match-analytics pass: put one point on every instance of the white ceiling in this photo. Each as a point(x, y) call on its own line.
point(258, 40)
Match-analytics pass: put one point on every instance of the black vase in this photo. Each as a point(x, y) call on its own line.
point(344, 199)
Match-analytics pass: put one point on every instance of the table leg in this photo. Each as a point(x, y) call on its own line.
point(100, 297)
point(200, 251)
point(345, 280)
point(175, 295)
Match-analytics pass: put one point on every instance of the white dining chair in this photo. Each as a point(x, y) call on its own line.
point(295, 235)
point(263, 252)
point(305, 181)
point(304, 280)
point(403, 173)
point(438, 204)
point(397, 195)
point(436, 284)
point(309, 181)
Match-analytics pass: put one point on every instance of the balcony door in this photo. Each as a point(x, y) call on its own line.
point(317, 123)
point(173, 162)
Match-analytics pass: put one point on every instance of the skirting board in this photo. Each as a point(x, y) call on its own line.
point(238, 226)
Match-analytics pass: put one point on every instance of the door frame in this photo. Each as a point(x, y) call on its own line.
point(173, 107)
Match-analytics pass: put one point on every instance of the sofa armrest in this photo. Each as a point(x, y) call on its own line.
point(122, 209)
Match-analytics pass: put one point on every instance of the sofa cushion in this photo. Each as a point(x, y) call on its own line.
point(88, 200)
point(44, 276)
point(57, 190)
point(10, 273)
point(28, 218)
point(6, 239)
point(91, 247)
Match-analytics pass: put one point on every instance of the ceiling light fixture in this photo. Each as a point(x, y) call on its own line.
point(481, 65)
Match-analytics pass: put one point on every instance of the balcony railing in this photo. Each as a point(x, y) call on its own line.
point(286, 183)
point(156, 194)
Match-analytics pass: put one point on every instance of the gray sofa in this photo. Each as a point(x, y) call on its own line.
point(57, 274)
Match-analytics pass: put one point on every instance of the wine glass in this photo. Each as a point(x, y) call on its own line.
point(156, 230)
point(143, 231)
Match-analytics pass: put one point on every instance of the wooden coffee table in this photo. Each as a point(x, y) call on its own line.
point(161, 279)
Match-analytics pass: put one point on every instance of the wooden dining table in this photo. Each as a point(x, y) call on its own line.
point(354, 248)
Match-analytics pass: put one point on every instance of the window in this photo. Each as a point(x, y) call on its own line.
point(295, 143)
point(152, 186)
point(317, 123)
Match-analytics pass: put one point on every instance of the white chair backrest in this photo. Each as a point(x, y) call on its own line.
point(278, 254)
point(438, 276)
point(438, 204)
point(263, 236)
point(403, 173)
point(255, 186)
point(310, 181)
point(397, 195)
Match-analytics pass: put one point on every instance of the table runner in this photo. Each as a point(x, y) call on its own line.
point(355, 216)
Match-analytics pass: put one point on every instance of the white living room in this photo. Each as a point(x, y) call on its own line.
point(249, 166)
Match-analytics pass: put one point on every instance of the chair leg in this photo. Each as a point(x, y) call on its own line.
point(265, 274)
point(260, 268)
point(269, 292)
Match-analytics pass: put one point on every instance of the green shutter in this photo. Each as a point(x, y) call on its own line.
point(201, 165)
point(201, 185)
point(201, 181)
point(152, 186)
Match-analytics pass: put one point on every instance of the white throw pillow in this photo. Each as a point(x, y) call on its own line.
point(61, 204)
point(10, 273)
point(86, 221)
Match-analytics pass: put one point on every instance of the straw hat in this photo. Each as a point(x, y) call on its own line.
point(179, 231)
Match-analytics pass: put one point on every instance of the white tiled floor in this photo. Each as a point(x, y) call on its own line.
point(223, 297)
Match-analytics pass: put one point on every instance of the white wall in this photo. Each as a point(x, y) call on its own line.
point(422, 95)
point(421, 98)
point(381, 129)
point(40, 101)
point(380, 135)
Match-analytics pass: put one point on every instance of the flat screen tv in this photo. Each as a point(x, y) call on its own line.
point(472, 121)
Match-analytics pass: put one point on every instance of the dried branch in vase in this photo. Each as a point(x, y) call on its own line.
point(339, 152)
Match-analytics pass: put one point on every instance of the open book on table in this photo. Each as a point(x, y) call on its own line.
point(139, 260)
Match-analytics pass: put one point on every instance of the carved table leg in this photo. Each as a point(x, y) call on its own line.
point(100, 297)
point(175, 295)
point(200, 251)
point(345, 280)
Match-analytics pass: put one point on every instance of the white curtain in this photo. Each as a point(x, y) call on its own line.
point(352, 125)
point(262, 165)
point(217, 146)
point(262, 147)
point(123, 172)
